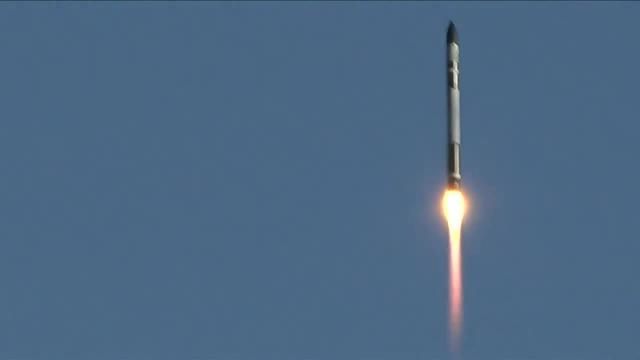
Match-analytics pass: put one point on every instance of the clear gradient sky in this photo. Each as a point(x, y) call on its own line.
point(261, 181)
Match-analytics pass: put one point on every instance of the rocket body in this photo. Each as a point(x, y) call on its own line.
point(454, 177)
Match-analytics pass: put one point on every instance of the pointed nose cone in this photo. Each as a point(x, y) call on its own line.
point(452, 34)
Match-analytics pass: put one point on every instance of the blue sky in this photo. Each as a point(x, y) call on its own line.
point(262, 180)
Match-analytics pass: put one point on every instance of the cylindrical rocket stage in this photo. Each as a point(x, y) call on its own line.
point(453, 109)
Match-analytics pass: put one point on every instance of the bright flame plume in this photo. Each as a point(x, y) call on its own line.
point(454, 206)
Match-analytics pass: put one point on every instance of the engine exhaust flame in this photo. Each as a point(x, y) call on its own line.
point(454, 206)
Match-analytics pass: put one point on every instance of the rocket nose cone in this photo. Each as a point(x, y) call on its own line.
point(452, 34)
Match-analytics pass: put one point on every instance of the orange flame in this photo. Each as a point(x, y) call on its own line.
point(454, 206)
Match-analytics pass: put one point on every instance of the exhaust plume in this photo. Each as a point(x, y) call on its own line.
point(454, 206)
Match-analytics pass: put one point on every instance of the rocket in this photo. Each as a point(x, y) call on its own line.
point(453, 109)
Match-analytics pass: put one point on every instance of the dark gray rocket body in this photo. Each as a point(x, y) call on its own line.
point(453, 109)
